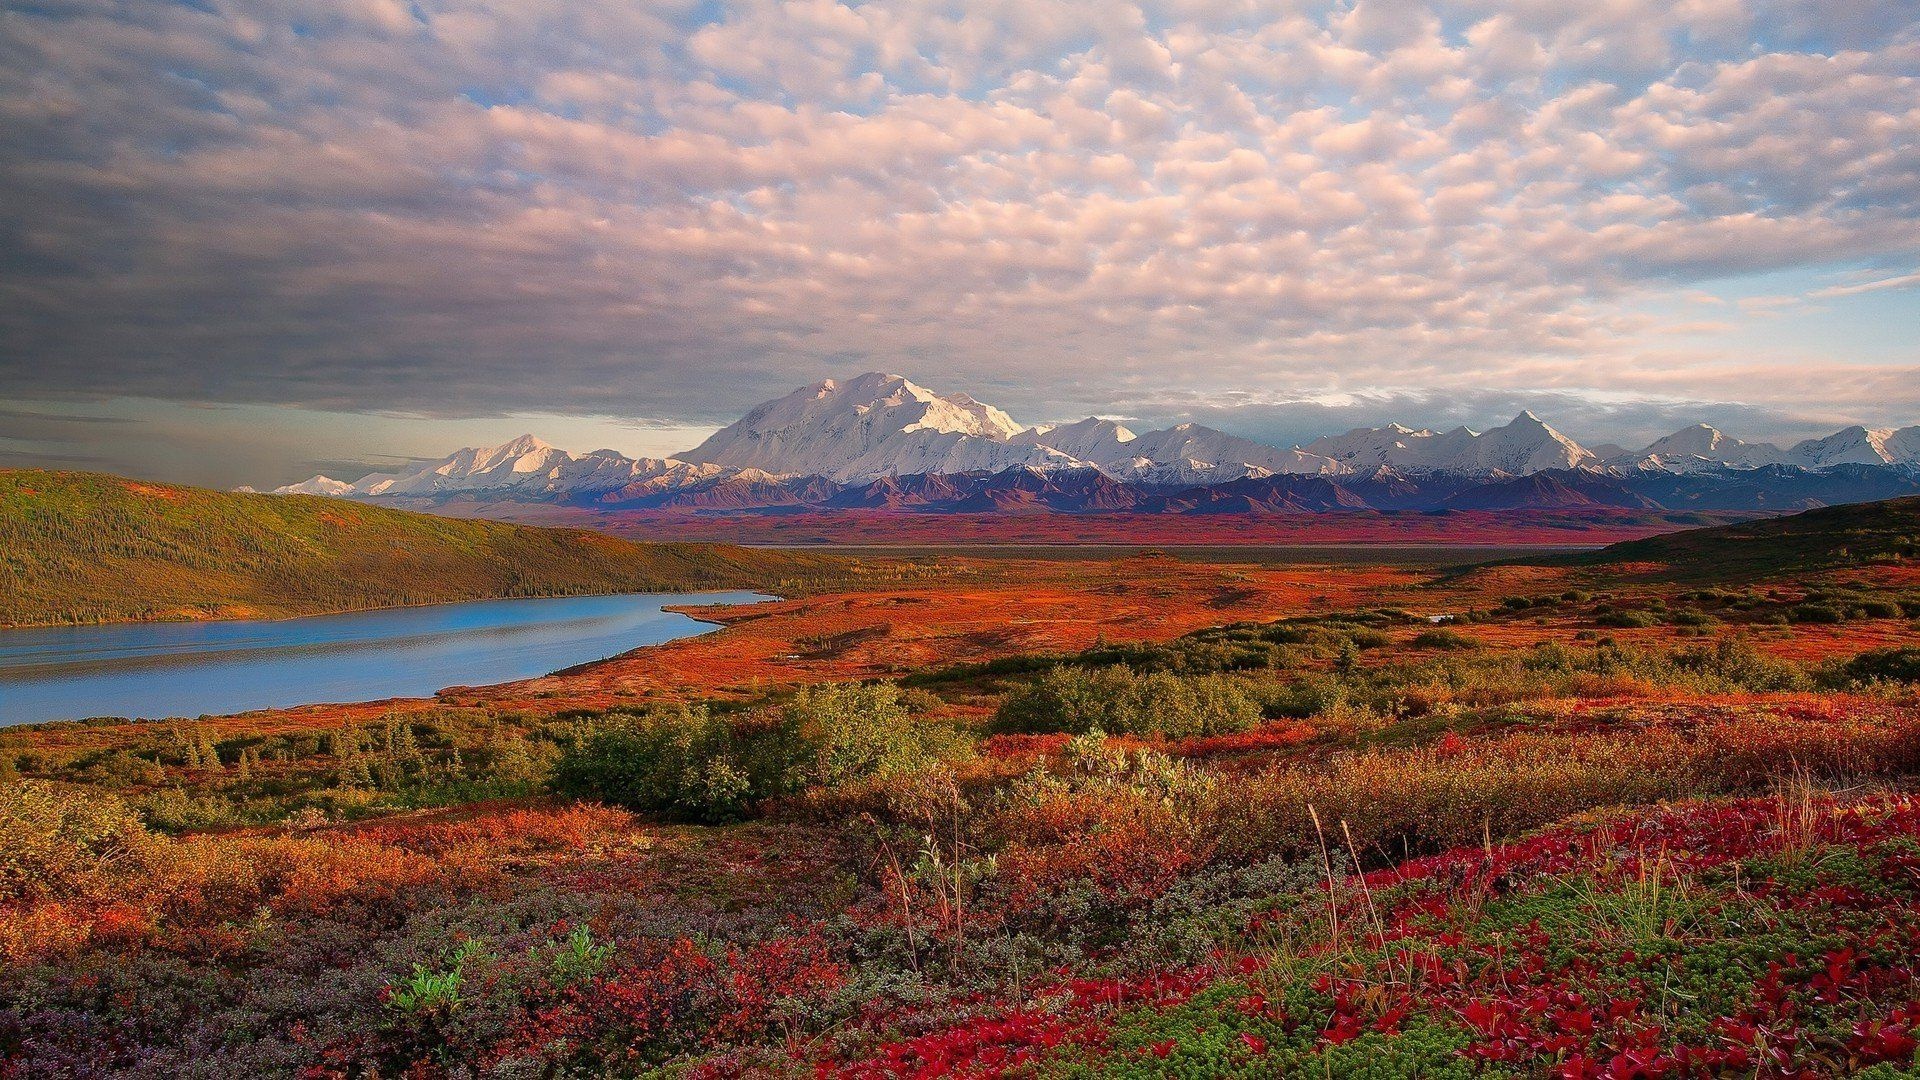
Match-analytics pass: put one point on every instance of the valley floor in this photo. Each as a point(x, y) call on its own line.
point(806, 528)
point(1118, 816)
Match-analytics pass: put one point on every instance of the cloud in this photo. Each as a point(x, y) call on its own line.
point(1903, 281)
point(472, 208)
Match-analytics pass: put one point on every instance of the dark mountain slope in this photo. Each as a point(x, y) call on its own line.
point(1822, 539)
point(1777, 488)
point(1555, 490)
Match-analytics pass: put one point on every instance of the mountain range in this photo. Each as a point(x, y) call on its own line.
point(882, 441)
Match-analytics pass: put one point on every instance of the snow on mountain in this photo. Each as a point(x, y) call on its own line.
point(930, 451)
point(525, 468)
point(1187, 454)
point(1092, 439)
point(1186, 472)
point(317, 485)
point(1197, 445)
point(1702, 447)
point(875, 425)
point(1904, 445)
point(1365, 450)
point(886, 425)
point(880, 426)
point(1525, 445)
point(477, 468)
point(1859, 446)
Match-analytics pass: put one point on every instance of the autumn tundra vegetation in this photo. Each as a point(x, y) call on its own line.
point(85, 548)
point(1643, 813)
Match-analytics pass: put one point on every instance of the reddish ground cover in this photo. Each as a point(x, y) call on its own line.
point(885, 527)
point(1763, 936)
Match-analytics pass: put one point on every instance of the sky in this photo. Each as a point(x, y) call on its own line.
point(242, 241)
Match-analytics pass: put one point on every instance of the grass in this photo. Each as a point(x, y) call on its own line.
point(81, 547)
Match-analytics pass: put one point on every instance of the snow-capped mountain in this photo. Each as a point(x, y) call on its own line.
point(1859, 446)
point(1092, 439)
point(875, 425)
point(886, 425)
point(525, 468)
point(316, 485)
point(1192, 444)
point(1525, 445)
point(816, 443)
point(1702, 447)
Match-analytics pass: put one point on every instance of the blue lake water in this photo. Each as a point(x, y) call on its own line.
point(156, 670)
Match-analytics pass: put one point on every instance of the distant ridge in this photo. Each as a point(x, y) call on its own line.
point(828, 443)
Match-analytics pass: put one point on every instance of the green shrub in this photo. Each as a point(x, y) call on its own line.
point(853, 732)
point(1627, 620)
point(60, 843)
point(690, 764)
point(1443, 638)
point(1884, 665)
point(119, 769)
point(1817, 613)
point(683, 763)
point(1736, 664)
point(1119, 701)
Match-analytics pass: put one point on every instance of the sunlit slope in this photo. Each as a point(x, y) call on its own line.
point(84, 547)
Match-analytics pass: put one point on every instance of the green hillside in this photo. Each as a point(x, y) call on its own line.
point(83, 547)
point(1828, 538)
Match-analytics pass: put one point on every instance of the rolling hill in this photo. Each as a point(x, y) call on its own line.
point(1823, 539)
point(84, 547)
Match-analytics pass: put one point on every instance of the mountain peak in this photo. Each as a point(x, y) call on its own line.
point(523, 444)
point(1093, 440)
point(879, 424)
point(875, 424)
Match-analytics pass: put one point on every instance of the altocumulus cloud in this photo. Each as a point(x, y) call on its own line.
point(670, 209)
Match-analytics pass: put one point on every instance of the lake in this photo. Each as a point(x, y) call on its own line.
point(155, 670)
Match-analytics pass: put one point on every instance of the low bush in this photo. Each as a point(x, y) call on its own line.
point(1883, 665)
point(855, 732)
point(684, 763)
point(1817, 613)
point(56, 844)
point(687, 763)
point(1119, 701)
point(1443, 638)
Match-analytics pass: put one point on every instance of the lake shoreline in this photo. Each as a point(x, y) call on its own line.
point(167, 620)
point(152, 670)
